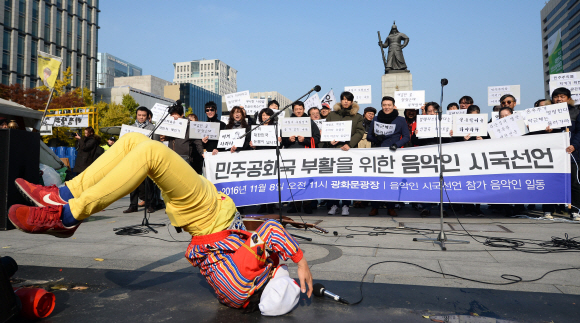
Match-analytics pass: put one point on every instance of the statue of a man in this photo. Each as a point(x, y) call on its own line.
point(395, 59)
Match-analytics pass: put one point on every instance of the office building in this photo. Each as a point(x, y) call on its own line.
point(147, 83)
point(194, 97)
point(64, 28)
point(115, 95)
point(562, 16)
point(109, 67)
point(212, 75)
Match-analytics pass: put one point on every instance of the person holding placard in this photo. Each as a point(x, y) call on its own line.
point(411, 119)
point(345, 110)
point(88, 147)
point(211, 113)
point(393, 138)
point(183, 147)
point(368, 116)
point(301, 142)
point(508, 100)
point(465, 102)
point(273, 105)
point(314, 113)
point(197, 149)
point(452, 106)
point(237, 121)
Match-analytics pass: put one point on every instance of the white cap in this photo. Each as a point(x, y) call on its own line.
point(280, 295)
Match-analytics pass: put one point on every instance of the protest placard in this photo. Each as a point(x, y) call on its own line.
point(238, 98)
point(453, 112)
point(264, 136)
point(409, 99)
point(559, 115)
point(125, 129)
point(571, 81)
point(173, 128)
point(253, 106)
point(295, 127)
point(494, 93)
point(383, 129)
point(470, 124)
point(73, 121)
point(200, 129)
point(427, 126)
point(231, 137)
point(158, 110)
point(362, 93)
point(313, 101)
point(329, 98)
point(336, 130)
point(319, 123)
point(537, 118)
point(510, 126)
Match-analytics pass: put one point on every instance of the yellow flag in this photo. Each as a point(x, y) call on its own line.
point(48, 68)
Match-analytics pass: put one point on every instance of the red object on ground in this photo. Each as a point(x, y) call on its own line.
point(36, 302)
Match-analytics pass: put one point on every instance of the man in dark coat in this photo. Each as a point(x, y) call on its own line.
point(87, 149)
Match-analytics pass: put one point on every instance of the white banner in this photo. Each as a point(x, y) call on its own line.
point(125, 129)
point(362, 94)
point(158, 110)
point(253, 106)
point(295, 127)
point(470, 124)
point(427, 126)
point(510, 126)
point(329, 98)
point(236, 99)
point(383, 129)
point(525, 169)
point(200, 129)
point(559, 115)
point(264, 136)
point(73, 121)
point(231, 137)
point(494, 93)
point(173, 128)
point(409, 99)
point(313, 101)
point(336, 130)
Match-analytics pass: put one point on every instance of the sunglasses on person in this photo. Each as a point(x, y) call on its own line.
point(210, 109)
point(507, 102)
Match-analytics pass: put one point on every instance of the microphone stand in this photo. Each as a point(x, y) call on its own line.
point(145, 221)
point(274, 118)
point(441, 237)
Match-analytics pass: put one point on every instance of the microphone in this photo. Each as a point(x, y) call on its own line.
point(320, 291)
point(317, 88)
point(444, 82)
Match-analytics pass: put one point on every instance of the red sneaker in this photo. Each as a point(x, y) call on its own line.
point(38, 194)
point(40, 220)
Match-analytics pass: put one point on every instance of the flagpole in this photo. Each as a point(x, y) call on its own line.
point(46, 108)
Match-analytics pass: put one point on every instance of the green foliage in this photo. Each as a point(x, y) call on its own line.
point(130, 104)
point(188, 111)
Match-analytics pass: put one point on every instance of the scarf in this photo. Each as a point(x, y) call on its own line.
point(344, 112)
point(214, 119)
point(387, 118)
point(142, 125)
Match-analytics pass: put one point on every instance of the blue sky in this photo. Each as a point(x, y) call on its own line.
point(291, 46)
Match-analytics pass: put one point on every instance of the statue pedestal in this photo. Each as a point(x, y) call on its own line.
point(396, 82)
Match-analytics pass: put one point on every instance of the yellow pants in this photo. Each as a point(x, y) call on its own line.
point(192, 202)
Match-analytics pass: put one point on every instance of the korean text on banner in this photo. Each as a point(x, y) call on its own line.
point(329, 99)
point(200, 129)
point(48, 68)
point(494, 93)
point(362, 93)
point(74, 121)
point(522, 170)
point(158, 110)
point(470, 124)
point(506, 127)
point(295, 127)
point(427, 126)
point(173, 128)
point(238, 98)
point(253, 106)
point(383, 129)
point(409, 99)
point(571, 81)
point(125, 129)
point(336, 130)
point(312, 102)
point(264, 136)
point(231, 137)
point(559, 115)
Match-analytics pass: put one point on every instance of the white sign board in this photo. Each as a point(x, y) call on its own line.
point(510, 126)
point(312, 102)
point(461, 111)
point(409, 99)
point(74, 121)
point(319, 123)
point(336, 130)
point(225, 119)
point(231, 137)
point(254, 106)
point(46, 130)
point(295, 127)
point(571, 81)
point(470, 124)
point(427, 126)
point(173, 128)
point(200, 129)
point(158, 110)
point(537, 118)
point(264, 136)
point(383, 129)
point(559, 115)
point(125, 129)
point(494, 93)
point(329, 98)
point(236, 99)
point(362, 93)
